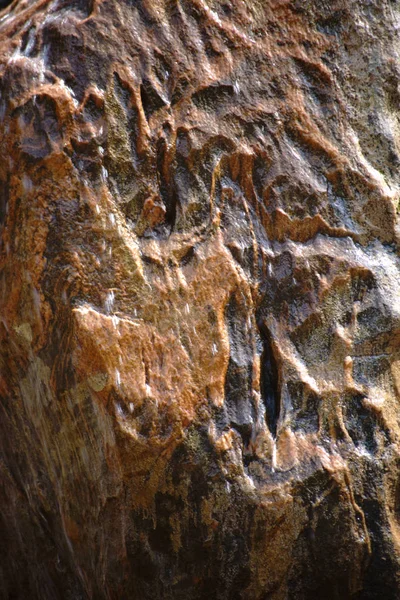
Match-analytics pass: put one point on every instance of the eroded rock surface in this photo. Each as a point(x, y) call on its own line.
point(199, 299)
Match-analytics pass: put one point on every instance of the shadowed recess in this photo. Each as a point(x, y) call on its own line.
point(269, 384)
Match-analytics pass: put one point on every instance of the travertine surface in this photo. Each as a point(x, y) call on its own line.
point(199, 300)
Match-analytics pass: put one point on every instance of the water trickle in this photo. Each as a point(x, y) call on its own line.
point(15, 55)
point(36, 300)
point(30, 42)
point(214, 349)
point(69, 91)
point(117, 378)
point(4, 17)
point(27, 184)
point(109, 303)
point(131, 407)
point(45, 54)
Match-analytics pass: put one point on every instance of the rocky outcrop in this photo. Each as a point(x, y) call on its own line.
point(199, 300)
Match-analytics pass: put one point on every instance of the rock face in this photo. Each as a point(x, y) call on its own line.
point(199, 300)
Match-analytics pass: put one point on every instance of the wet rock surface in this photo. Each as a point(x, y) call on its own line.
point(199, 299)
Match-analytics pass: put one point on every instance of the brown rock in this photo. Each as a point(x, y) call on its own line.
point(199, 300)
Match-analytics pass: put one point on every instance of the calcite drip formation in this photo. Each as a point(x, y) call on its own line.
point(199, 300)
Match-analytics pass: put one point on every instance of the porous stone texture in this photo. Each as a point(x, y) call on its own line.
point(199, 300)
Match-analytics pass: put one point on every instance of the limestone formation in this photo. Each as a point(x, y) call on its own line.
point(199, 300)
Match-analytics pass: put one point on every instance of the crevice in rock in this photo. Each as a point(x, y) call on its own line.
point(167, 187)
point(269, 381)
point(151, 99)
point(188, 257)
point(240, 413)
point(212, 96)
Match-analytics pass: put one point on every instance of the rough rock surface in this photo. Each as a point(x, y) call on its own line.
point(199, 299)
